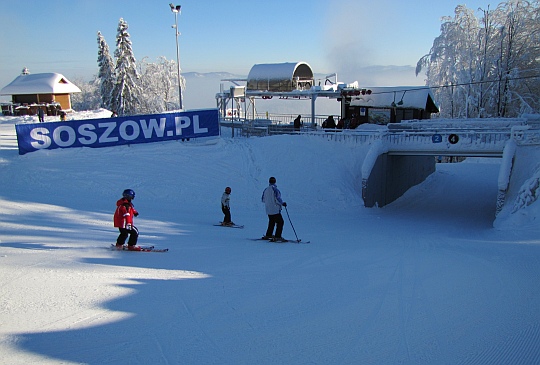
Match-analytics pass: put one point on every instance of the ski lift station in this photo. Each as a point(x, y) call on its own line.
point(400, 142)
point(295, 80)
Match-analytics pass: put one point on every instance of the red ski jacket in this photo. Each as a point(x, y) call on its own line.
point(125, 211)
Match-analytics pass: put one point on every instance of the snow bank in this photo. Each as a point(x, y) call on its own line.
point(522, 209)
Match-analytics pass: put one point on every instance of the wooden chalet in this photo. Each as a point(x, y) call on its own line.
point(49, 91)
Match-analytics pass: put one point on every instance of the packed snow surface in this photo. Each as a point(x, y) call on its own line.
point(424, 280)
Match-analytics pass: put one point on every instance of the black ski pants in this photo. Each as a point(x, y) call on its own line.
point(273, 221)
point(133, 234)
point(227, 212)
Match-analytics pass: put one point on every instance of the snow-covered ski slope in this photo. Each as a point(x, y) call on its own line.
point(424, 280)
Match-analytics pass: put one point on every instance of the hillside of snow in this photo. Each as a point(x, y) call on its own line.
point(424, 280)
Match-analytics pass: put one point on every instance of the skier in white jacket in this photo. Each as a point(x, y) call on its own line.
point(226, 208)
point(271, 198)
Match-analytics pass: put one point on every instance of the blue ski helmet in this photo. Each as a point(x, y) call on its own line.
point(128, 193)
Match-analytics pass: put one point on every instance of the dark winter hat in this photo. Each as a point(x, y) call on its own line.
point(272, 180)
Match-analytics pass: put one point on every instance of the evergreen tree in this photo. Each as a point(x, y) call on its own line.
point(126, 92)
point(106, 72)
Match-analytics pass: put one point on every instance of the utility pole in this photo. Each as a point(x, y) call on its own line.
point(176, 11)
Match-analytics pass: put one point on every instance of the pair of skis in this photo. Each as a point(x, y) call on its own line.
point(142, 249)
point(284, 241)
point(258, 239)
point(221, 224)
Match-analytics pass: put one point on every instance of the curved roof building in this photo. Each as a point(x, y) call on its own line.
point(278, 77)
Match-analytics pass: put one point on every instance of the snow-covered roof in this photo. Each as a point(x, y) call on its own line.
point(407, 97)
point(278, 76)
point(42, 83)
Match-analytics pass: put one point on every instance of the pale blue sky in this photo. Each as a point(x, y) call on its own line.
point(217, 35)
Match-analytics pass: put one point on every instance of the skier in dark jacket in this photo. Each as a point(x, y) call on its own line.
point(329, 122)
point(123, 220)
point(271, 198)
point(41, 114)
point(297, 123)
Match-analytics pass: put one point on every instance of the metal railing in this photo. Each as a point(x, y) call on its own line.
point(269, 124)
point(455, 137)
point(450, 142)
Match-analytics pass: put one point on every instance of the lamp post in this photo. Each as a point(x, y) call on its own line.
point(176, 11)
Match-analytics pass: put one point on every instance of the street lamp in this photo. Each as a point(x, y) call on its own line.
point(176, 11)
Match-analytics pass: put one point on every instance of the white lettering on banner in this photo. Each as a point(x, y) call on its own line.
point(116, 131)
point(196, 128)
point(85, 131)
point(181, 123)
point(123, 130)
point(104, 138)
point(42, 140)
point(57, 136)
point(153, 126)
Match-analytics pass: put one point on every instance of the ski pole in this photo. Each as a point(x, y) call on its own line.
point(288, 216)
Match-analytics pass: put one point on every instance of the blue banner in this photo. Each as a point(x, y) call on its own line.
point(109, 132)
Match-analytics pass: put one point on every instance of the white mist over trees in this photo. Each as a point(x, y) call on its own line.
point(488, 66)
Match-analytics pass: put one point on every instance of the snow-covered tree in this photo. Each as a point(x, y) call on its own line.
point(487, 67)
point(89, 98)
point(157, 82)
point(519, 63)
point(129, 88)
point(105, 75)
point(126, 92)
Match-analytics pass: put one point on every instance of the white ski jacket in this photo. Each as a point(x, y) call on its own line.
point(271, 198)
point(225, 199)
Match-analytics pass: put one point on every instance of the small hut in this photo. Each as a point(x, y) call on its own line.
point(383, 105)
point(50, 91)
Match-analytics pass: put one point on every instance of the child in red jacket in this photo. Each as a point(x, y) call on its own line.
point(123, 220)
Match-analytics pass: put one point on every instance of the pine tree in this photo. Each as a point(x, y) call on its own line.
point(126, 91)
point(105, 73)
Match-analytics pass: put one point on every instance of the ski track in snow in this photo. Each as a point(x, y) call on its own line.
point(424, 280)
